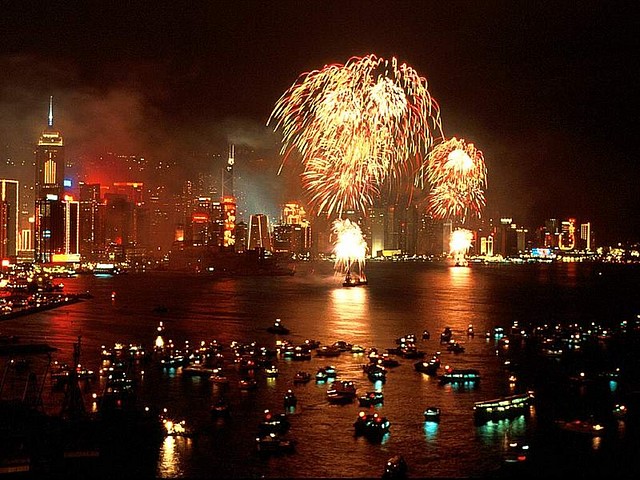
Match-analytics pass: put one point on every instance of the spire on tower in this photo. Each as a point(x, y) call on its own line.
point(50, 111)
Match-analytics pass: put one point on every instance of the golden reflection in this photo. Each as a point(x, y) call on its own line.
point(349, 311)
point(167, 463)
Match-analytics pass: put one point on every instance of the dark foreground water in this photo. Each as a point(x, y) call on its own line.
point(401, 298)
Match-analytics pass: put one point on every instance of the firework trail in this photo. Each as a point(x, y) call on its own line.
point(457, 175)
point(356, 126)
point(350, 247)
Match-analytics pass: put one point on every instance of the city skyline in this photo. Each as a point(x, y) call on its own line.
point(543, 92)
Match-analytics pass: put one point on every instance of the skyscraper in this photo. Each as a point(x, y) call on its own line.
point(9, 210)
point(50, 161)
point(259, 236)
point(50, 215)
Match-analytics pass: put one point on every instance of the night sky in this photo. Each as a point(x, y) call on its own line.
point(547, 90)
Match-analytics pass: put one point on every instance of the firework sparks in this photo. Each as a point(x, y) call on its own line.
point(459, 245)
point(350, 248)
point(457, 175)
point(356, 126)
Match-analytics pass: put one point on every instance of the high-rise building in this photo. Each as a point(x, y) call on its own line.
point(259, 236)
point(567, 238)
point(229, 212)
point(586, 236)
point(50, 161)
point(9, 216)
point(91, 220)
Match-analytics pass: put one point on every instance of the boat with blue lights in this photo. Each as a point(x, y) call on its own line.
point(454, 375)
point(432, 414)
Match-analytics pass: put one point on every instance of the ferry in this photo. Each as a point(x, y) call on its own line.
point(504, 407)
point(460, 376)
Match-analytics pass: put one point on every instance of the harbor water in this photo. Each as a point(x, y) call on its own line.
point(401, 298)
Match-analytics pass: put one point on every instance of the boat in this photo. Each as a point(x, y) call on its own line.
point(290, 399)
point(354, 280)
point(455, 347)
point(343, 392)
point(271, 371)
point(470, 332)
point(460, 376)
point(446, 335)
point(220, 408)
point(371, 424)
point(273, 423)
point(247, 384)
point(426, 335)
point(396, 467)
point(504, 407)
point(278, 328)
point(328, 351)
point(302, 377)
point(370, 399)
point(199, 370)
point(376, 373)
point(587, 427)
point(274, 443)
point(432, 414)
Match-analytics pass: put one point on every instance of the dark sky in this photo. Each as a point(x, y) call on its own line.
point(547, 90)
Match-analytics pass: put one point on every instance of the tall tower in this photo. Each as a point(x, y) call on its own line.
point(49, 160)
point(227, 174)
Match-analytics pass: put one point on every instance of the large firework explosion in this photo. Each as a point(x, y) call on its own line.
point(457, 176)
point(350, 247)
point(356, 126)
point(459, 244)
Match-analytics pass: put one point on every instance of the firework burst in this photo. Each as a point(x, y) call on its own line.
point(350, 248)
point(356, 126)
point(457, 175)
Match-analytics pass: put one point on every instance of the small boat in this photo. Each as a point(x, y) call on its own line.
point(455, 347)
point(426, 335)
point(460, 376)
point(290, 399)
point(271, 371)
point(504, 407)
point(343, 392)
point(470, 332)
point(328, 351)
point(376, 373)
point(220, 408)
point(432, 414)
point(301, 377)
point(371, 424)
point(446, 335)
point(396, 467)
point(274, 443)
point(278, 328)
point(247, 384)
point(581, 426)
point(370, 399)
point(353, 280)
point(274, 423)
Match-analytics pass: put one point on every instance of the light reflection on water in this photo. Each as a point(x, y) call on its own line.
point(399, 299)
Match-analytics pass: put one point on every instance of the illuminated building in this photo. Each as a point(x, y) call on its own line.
point(91, 220)
point(550, 233)
point(50, 161)
point(586, 236)
point(293, 235)
point(229, 216)
point(241, 237)
point(567, 238)
point(521, 239)
point(9, 214)
point(377, 228)
point(259, 237)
